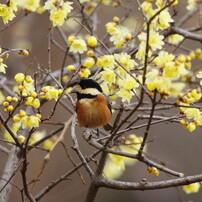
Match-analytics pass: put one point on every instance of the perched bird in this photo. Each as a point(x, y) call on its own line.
point(92, 107)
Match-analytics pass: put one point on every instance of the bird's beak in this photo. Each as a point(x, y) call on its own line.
point(75, 89)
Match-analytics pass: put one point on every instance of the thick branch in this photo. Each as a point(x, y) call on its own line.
point(144, 185)
point(187, 34)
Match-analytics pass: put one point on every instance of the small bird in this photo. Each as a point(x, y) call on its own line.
point(93, 108)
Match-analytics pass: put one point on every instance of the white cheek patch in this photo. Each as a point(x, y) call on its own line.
point(91, 91)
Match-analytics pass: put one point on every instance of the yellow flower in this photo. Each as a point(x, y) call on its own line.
point(111, 27)
point(160, 3)
point(128, 83)
point(71, 68)
point(2, 66)
point(84, 73)
point(13, 4)
point(109, 89)
point(158, 82)
point(174, 3)
point(57, 16)
point(113, 170)
point(92, 41)
point(153, 170)
point(30, 121)
point(2, 97)
point(126, 95)
point(28, 79)
point(19, 77)
point(36, 136)
point(191, 4)
point(70, 39)
point(48, 144)
point(50, 92)
point(175, 38)
point(35, 102)
point(40, 10)
point(58, 11)
point(164, 20)
point(30, 5)
point(89, 62)
point(125, 60)
point(106, 2)
point(16, 118)
point(176, 88)
point(25, 89)
point(15, 128)
point(78, 46)
point(108, 76)
point(163, 58)
point(141, 51)
point(155, 40)
point(118, 33)
point(147, 9)
point(106, 61)
point(21, 138)
point(192, 113)
point(196, 94)
point(191, 126)
point(115, 165)
point(170, 69)
point(191, 188)
point(6, 13)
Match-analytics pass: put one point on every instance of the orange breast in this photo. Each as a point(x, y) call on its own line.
point(93, 113)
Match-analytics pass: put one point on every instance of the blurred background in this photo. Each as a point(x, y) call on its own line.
point(169, 143)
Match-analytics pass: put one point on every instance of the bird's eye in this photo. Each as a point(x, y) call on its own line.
point(84, 87)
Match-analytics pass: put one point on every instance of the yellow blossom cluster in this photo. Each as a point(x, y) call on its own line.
point(2, 97)
point(5, 55)
point(38, 135)
point(77, 45)
point(15, 127)
point(2, 66)
point(58, 11)
point(191, 113)
point(175, 38)
point(169, 70)
point(191, 4)
point(32, 100)
point(8, 107)
point(120, 35)
point(191, 188)
point(27, 120)
point(7, 12)
point(35, 137)
point(160, 22)
point(50, 92)
point(89, 5)
point(153, 170)
point(26, 84)
point(30, 5)
point(115, 165)
point(116, 77)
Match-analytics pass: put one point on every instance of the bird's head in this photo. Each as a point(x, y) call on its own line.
point(87, 88)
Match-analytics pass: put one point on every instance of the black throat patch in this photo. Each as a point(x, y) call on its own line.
point(82, 96)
